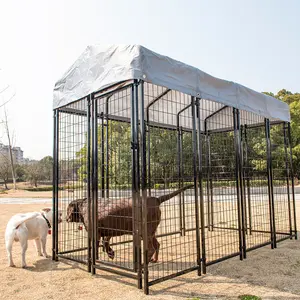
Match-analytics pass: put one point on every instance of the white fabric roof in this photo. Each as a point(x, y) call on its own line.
point(102, 66)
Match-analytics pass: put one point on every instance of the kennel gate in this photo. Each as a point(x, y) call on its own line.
point(137, 139)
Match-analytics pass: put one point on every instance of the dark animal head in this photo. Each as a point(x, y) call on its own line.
point(74, 212)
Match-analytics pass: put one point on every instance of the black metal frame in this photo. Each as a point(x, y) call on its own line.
point(207, 213)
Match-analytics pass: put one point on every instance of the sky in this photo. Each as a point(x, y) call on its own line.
point(252, 42)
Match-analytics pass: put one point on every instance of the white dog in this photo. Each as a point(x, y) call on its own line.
point(28, 226)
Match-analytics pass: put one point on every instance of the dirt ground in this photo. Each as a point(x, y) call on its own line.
point(25, 194)
point(270, 274)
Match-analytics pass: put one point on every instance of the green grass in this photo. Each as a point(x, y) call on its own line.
point(249, 297)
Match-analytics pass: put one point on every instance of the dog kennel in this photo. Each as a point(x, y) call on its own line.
point(131, 125)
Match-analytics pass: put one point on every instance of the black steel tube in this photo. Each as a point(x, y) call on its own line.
point(88, 159)
point(292, 179)
point(181, 171)
point(247, 173)
point(102, 157)
point(258, 246)
point(237, 178)
point(172, 276)
point(287, 177)
point(144, 221)
point(195, 171)
point(200, 179)
point(223, 258)
point(243, 172)
point(270, 183)
point(118, 272)
point(138, 207)
point(257, 125)
point(133, 174)
point(241, 181)
point(95, 185)
point(72, 259)
point(56, 182)
point(208, 170)
point(215, 113)
point(113, 265)
point(73, 250)
point(107, 147)
point(54, 233)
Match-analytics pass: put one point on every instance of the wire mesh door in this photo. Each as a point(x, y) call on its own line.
point(283, 198)
point(171, 220)
point(222, 216)
point(72, 134)
point(115, 207)
point(257, 203)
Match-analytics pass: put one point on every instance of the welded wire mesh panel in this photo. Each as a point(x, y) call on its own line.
point(255, 181)
point(221, 201)
point(72, 174)
point(171, 223)
point(281, 181)
point(115, 205)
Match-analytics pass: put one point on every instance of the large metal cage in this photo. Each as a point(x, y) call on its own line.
point(119, 148)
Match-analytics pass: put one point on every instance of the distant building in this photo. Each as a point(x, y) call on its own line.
point(17, 153)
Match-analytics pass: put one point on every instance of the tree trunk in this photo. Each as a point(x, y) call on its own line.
point(10, 152)
point(35, 183)
point(5, 184)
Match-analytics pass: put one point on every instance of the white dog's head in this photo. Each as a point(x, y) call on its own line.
point(48, 213)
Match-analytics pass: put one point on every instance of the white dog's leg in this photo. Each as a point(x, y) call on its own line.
point(38, 246)
point(9, 242)
point(23, 238)
point(43, 241)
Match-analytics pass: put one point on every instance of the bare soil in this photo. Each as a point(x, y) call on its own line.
point(270, 274)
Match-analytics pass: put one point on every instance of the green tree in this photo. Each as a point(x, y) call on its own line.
point(46, 167)
point(5, 169)
point(34, 173)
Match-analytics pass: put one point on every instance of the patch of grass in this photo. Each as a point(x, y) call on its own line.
point(196, 298)
point(249, 297)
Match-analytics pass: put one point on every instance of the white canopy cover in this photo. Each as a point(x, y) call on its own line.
point(102, 66)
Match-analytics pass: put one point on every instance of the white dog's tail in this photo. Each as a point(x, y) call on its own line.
point(21, 218)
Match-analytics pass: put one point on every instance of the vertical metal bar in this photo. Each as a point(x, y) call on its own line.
point(207, 163)
point(56, 182)
point(149, 152)
point(144, 220)
point(102, 157)
point(241, 181)
point(200, 178)
point(270, 183)
point(133, 160)
point(247, 173)
point(54, 187)
point(195, 169)
point(292, 179)
point(107, 148)
point(179, 172)
point(237, 178)
point(182, 195)
point(95, 184)
point(287, 177)
point(138, 207)
point(243, 172)
point(88, 166)
point(211, 190)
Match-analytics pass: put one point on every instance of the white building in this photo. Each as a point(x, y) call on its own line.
point(17, 153)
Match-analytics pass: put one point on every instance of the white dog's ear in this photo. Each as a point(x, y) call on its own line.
point(46, 209)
